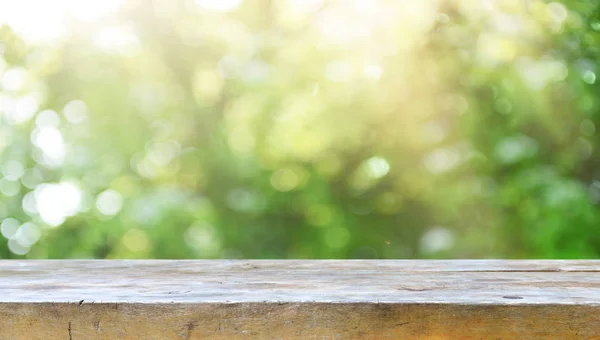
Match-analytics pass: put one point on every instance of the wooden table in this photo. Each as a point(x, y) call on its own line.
point(379, 299)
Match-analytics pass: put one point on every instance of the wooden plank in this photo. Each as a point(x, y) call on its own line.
point(299, 299)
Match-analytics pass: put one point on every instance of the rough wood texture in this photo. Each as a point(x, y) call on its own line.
point(299, 299)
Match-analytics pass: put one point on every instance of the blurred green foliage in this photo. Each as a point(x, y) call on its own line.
point(299, 129)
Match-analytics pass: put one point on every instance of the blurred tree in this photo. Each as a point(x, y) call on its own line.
point(299, 129)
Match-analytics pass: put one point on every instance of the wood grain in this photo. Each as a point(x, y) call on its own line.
point(355, 299)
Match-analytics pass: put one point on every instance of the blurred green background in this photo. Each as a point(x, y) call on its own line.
point(299, 129)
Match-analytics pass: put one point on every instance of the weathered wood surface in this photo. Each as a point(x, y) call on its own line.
point(299, 299)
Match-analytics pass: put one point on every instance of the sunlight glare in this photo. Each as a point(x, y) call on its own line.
point(219, 5)
point(57, 201)
point(50, 140)
point(45, 22)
